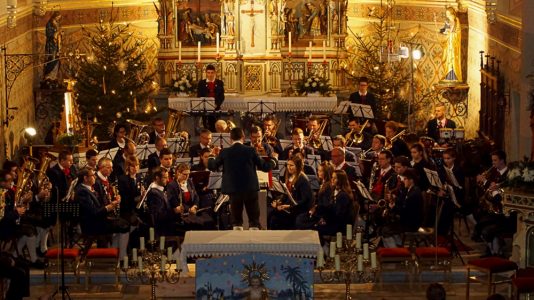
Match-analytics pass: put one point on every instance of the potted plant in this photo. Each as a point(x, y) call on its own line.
point(313, 86)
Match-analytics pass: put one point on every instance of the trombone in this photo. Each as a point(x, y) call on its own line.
point(394, 138)
point(314, 139)
point(356, 137)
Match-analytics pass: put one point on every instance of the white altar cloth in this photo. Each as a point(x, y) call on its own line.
point(296, 243)
point(283, 104)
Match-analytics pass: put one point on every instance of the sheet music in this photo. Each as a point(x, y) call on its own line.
point(363, 190)
point(177, 145)
point(215, 181)
point(220, 201)
point(452, 178)
point(314, 161)
point(184, 160)
point(202, 104)
point(326, 143)
point(263, 178)
point(362, 111)
point(433, 178)
point(342, 108)
point(221, 140)
point(286, 143)
point(143, 151)
point(355, 150)
point(110, 153)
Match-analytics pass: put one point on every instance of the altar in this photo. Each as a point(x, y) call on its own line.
point(295, 243)
point(242, 103)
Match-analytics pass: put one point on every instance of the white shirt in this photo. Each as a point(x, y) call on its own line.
point(384, 171)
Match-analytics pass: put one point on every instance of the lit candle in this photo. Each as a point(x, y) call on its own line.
point(373, 260)
point(320, 258)
point(332, 249)
point(169, 254)
point(349, 232)
point(360, 263)
point(339, 240)
point(140, 263)
point(358, 240)
point(142, 243)
point(151, 233)
point(217, 40)
point(161, 243)
point(337, 261)
point(180, 51)
point(134, 254)
point(289, 39)
point(366, 250)
point(198, 52)
point(125, 262)
point(310, 52)
point(324, 50)
point(163, 262)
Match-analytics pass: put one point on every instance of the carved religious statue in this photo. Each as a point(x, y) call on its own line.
point(452, 57)
point(52, 46)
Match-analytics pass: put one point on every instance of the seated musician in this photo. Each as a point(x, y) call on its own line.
point(378, 144)
point(202, 164)
point(221, 126)
point(440, 121)
point(204, 142)
point(339, 142)
point(384, 177)
point(405, 211)
point(161, 215)
point(185, 200)
point(400, 165)
point(256, 141)
point(153, 158)
point(283, 213)
point(354, 128)
point(398, 146)
point(419, 162)
point(35, 215)
point(119, 160)
point(166, 161)
point(206, 196)
point(130, 187)
point(91, 158)
point(298, 146)
point(95, 217)
point(102, 185)
point(61, 176)
point(272, 134)
point(159, 130)
point(341, 210)
point(12, 168)
point(323, 197)
point(338, 160)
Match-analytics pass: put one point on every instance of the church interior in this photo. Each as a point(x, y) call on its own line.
point(133, 91)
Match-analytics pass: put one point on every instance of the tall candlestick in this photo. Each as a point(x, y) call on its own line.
point(151, 233)
point(332, 249)
point(360, 263)
point(373, 260)
point(140, 263)
point(366, 251)
point(337, 262)
point(339, 240)
point(134, 254)
point(217, 40)
point(310, 52)
point(125, 262)
point(320, 258)
point(358, 240)
point(289, 39)
point(324, 50)
point(163, 260)
point(349, 232)
point(161, 243)
point(169, 254)
point(198, 52)
point(180, 51)
point(142, 243)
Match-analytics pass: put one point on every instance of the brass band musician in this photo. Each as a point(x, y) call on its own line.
point(205, 138)
point(355, 127)
point(340, 142)
point(159, 130)
point(256, 141)
point(383, 175)
point(271, 133)
point(298, 146)
point(397, 146)
point(153, 159)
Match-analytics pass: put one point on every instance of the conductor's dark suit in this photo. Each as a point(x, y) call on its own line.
point(432, 128)
point(240, 181)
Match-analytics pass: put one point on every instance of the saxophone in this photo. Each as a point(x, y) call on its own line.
point(373, 175)
point(115, 191)
point(2, 202)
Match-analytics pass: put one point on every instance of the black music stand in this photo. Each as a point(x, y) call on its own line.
point(215, 181)
point(314, 161)
point(281, 188)
point(178, 146)
point(65, 211)
point(362, 111)
point(205, 104)
point(261, 107)
point(109, 153)
point(143, 151)
point(326, 143)
point(364, 192)
point(221, 139)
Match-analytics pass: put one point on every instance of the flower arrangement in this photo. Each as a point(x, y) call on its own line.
point(313, 84)
point(520, 175)
point(183, 85)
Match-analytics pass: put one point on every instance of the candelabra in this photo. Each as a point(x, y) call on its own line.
point(152, 265)
point(348, 262)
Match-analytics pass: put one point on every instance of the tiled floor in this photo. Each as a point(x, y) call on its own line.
point(392, 289)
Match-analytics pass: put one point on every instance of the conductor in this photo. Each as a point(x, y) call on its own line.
point(239, 178)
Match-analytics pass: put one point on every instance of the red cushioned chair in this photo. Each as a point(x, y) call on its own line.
point(496, 270)
point(397, 258)
point(433, 258)
point(523, 283)
point(53, 259)
point(102, 257)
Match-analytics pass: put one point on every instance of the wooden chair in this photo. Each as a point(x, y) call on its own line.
point(495, 270)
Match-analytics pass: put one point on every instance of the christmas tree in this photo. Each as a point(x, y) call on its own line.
point(113, 80)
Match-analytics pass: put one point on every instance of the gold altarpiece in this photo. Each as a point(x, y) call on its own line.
point(254, 54)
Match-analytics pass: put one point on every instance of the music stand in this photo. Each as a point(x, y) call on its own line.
point(356, 165)
point(222, 140)
point(215, 181)
point(326, 143)
point(261, 107)
point(314, 182)
point(342, 108)
point(285, 143)
point(203, 104)
point(143, 151)
point(355, 150)
point(184, 160)
point(364, 192)
point(281, 187)
point(79, 159)
point(452, 178)
point(64, 211)
point(362, 111)
point(314, 161)
point(178, 145)
point(109, 153)
point(200, 179)
point(222, 199)
point(282, 167)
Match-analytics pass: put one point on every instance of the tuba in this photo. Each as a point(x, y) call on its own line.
point(42, 179)
point(173, 122)
point(138, 133)
point(24, 182)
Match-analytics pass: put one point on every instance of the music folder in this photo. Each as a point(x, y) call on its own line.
point(433, 178)
point(362, 111)
point(215, 181)
point(203, 104)
point(281, 187)
point(363, 190)
point(452, 178)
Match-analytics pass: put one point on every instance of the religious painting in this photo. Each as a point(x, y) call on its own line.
point(198, 21)
point(254, 276)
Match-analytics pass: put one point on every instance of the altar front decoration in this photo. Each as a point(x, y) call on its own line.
point(518, 197)
point(313, 85)
point(184, 86)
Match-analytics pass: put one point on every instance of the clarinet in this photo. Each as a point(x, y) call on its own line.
point(117, 210)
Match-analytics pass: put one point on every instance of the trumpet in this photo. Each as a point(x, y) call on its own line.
point(356, 137)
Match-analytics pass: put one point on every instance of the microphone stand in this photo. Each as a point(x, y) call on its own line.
point(64, 289)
